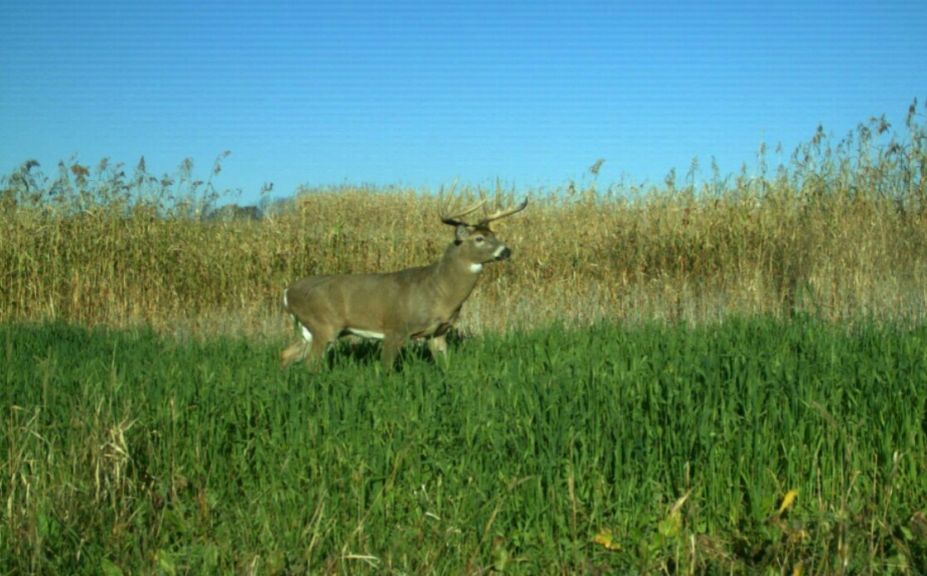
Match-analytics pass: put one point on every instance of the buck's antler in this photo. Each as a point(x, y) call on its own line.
point(499, 214)
point(455, 219)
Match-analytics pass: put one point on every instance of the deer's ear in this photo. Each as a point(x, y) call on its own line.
point(460, 234)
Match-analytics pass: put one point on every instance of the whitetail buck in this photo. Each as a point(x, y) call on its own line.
point(406, 305)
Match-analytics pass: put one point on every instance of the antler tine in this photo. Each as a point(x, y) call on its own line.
point(503, 213)
point(455, 219)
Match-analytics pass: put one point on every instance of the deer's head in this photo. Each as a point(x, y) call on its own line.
point(476, 244)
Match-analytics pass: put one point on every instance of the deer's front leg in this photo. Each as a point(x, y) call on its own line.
point(392, 343)
point(438, 348)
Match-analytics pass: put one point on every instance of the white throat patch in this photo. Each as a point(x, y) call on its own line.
point(476, 268)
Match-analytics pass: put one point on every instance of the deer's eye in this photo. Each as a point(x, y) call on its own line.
point(478, 239)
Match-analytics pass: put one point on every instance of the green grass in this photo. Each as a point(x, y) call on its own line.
point(129, 452)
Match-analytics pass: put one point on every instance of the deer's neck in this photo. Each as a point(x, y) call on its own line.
point(454, 278)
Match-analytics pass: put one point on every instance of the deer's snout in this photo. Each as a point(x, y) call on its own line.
point(502, 253)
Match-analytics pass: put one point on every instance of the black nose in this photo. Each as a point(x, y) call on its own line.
point(504, 254)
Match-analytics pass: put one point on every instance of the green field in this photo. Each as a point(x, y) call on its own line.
point(652, 448)
point(709, 375)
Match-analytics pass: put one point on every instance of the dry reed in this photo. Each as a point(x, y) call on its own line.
point(839, 232)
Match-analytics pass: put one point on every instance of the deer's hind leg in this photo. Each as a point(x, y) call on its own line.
point(312, 347)
point(319, 339)
point(293, 353)
point(297, 350)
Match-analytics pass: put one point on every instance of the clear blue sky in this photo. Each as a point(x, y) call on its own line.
point(423, 93)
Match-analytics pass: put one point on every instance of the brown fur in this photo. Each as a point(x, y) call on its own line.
point(414, 303)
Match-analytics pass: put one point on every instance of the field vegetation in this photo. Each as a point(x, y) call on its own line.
point(707, 375)
point(752, 446)
point(838, 231)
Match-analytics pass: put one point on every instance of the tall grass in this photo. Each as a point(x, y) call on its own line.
point(656, 449)
point(839, 230)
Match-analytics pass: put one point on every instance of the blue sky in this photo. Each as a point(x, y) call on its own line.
point(423, 93)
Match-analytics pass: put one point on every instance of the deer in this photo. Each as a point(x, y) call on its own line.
point(395, 307)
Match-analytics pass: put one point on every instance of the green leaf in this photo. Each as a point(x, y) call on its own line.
point(166, 564)
point(108, 568)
